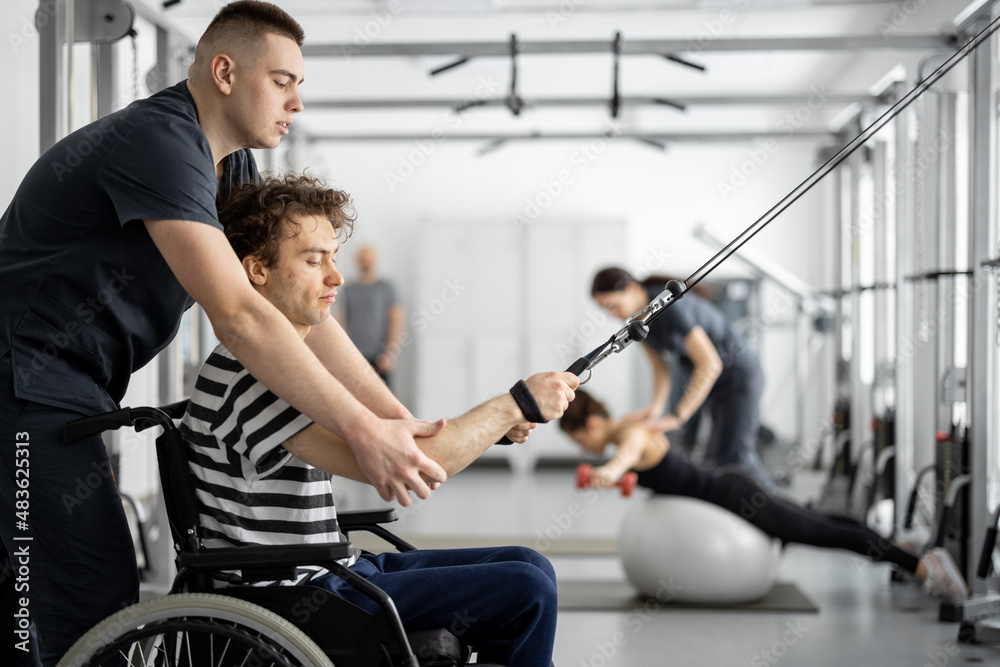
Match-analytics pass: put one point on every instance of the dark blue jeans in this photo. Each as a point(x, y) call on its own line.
point(80, 565)
point(500, 600)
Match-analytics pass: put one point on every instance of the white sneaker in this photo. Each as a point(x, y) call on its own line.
point(913, 541)
point(943, 577)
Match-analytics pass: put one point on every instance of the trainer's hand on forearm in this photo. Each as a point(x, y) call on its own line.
point(666, 424)
point(647, 414)
point(553, 392)
point(394, 464)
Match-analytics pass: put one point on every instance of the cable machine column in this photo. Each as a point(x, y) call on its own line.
point(981, 383)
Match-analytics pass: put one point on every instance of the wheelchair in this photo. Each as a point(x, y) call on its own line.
point(201, 625)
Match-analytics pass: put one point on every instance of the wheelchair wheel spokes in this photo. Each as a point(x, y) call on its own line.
point(195, 630)
point(192, 642)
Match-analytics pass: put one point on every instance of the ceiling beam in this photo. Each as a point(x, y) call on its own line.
point(669, 137)
point(976, 11)
point(662, 100)
point(634, 46)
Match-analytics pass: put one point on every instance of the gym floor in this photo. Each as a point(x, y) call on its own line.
point(863, 619)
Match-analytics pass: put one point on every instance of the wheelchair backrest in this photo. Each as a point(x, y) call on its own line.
point(178, 489)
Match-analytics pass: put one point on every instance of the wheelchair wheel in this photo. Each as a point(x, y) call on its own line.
point(195, 630)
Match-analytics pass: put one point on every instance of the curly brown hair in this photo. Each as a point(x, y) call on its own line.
point(255, 215)
point(583, 406)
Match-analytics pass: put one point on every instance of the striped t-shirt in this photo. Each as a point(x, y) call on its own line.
point(250, 489)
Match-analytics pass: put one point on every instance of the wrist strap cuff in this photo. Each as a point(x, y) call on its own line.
point(528, 405)
point(526, 401)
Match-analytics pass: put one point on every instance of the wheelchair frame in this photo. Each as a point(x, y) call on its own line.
point(279, 623)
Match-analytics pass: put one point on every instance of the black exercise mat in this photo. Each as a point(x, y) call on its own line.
point(620, 596)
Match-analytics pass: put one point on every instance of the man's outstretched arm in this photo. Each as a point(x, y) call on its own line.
point(462, 440)
point(268, 346)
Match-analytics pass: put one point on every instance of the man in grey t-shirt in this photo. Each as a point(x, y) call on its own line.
point(372, 315)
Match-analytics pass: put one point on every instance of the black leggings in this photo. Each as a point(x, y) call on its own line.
point(790, 523)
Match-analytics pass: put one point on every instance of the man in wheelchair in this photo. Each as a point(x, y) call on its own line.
point(262, 470)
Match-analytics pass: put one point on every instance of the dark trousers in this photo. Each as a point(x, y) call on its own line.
point(502, 600)
point(80, 565)
point(735, 410)
point(737, 492)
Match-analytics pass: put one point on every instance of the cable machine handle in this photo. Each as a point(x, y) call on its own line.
point(635, 330)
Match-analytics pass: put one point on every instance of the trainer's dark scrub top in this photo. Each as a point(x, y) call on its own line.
point(86, 298)
point(668, 331)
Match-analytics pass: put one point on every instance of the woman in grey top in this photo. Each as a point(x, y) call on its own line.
point(725, 375)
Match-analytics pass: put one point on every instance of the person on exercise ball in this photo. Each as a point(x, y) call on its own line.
point(646, 450)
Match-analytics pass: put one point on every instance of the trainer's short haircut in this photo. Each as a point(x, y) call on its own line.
point(239, 28)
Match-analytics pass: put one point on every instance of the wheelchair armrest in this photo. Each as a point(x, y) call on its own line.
point(357, 518)
point(88, 426)
point(264, 556)
point(369, 521)
point(176, 410)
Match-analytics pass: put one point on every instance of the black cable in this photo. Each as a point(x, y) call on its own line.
point(677, 289)
point(842, 155)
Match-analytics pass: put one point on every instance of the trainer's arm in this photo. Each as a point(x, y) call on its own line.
point(707, 369)
point(393, 341)
point(335, 350)
point(271, 350)
point(462, 440)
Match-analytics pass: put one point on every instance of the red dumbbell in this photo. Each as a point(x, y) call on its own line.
point(626, 484)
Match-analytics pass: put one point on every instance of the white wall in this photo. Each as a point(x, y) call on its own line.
point(19, 113)
point(662, 196)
